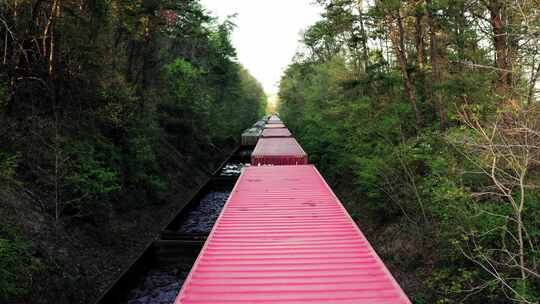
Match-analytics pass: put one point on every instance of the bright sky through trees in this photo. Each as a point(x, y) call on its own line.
point(267, 33)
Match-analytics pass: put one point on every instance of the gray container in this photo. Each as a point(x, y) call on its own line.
point(259, 124)
point(251, 136)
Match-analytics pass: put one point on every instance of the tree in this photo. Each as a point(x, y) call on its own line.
point(422, 114)
point(103, 105)
point(505, 151)
point(501, 45)
point(435, 63)
point(394, 22)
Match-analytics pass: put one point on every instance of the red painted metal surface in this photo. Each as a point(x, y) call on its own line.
point(274, 126)
point(284, 237)
point(281, 132)
point(274, 119)
point(278, 151)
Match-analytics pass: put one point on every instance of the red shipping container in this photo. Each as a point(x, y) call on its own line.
point(274, 126)
point(284, 237)
point(278, 151)
point(281, 132)
point(274, 120)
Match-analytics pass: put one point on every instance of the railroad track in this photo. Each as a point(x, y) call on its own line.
point(173, 248)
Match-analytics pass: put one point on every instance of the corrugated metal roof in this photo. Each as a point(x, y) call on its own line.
point(274, 118)
point(278, 151)
point(282, 132)
point(274, 126)
point(284, 237)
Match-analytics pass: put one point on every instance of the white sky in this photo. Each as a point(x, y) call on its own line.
point(267, 33)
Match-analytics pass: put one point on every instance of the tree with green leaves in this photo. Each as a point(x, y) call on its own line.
point(431, 140)
point(104, 104)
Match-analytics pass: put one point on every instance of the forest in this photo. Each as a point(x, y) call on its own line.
point(110, 111)
point(424, 116)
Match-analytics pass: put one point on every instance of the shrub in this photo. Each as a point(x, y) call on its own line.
point(8, 165)
point(16, 266)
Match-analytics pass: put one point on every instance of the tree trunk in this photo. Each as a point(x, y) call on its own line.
point(5, 47)
point(535, 74)
point(435, 65)
point(48, 34)
point(460, 34)
point(365, 50)
point(396, 36)
point(419, 41)
point(500, 44)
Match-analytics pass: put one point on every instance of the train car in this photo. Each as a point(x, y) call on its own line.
point(274, 126)
point(259, 124)
point(284, 237)
point(251, 136)
point(278, 151)
point(281, 132)
point(274, 120)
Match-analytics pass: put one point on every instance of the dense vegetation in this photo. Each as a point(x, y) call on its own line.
point(425, 116)
point(106, 106)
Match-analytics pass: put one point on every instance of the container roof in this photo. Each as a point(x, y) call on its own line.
point(284, 237)
point(281, 132)
point(251, 132)
point(274, 126)
point(279, 146)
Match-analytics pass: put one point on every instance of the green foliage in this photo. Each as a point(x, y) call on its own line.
point(120, 103)
point(348, 104)
point(8, 165)
point(133, 93)
point(92, 177)
point(3, 95)
point(143, 164)
point(213, 97)
point(185, 80)
point(450, 281)
point(95, 178)
point(16, 265)
point(124, 82)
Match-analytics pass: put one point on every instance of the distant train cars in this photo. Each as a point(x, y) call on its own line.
point(278, 151)
point(284, 237)
point(274, 119)
point(274, 126)
point(259, 124)
point(251, 136)
point(281, 132)
point(277, 146)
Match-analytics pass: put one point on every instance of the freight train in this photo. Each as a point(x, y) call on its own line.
point(284, 237)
